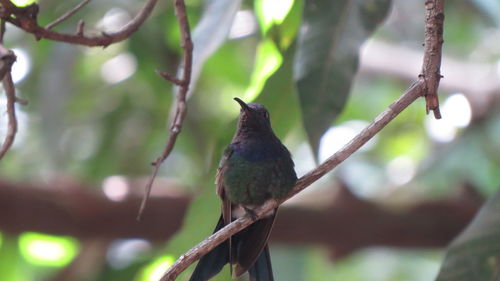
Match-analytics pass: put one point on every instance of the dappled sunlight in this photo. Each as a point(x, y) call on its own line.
point(47, 250)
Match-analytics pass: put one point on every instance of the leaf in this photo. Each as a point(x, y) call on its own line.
point(270, 12)
point(475, 253)
point(327, 57)
point(267, 60)
point(210, 33)
point(278, 95)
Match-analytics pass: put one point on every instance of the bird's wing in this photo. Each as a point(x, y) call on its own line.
point(226, 205)
point(220, 190)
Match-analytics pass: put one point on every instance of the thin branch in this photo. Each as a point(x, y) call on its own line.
point(434, 19)
point(171, 78)
point(182, 89)
point(419, 88)
point(26, 19)
point(10, 91)
point(8, 58)
point(67, 14)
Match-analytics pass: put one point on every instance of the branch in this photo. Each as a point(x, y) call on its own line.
point(434, 20)
point(8, 58)
point(182, 89)
point(345, 225)
point(67, 14)
point(351, 223)
point(68, 208)
point(26, 19)
point(423, 87)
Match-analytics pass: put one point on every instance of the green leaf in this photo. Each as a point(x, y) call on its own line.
point(278, 95)
point(267, 60)
point(271, 12)
point(475, 253)
point(327, 57)
point(210, 33)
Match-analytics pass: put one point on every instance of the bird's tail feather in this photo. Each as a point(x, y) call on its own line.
point(262, 269)
point(213, 262)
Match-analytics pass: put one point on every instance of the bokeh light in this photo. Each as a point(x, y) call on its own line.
point(116, 188)
point(23, 3)
point(336, 137)
point(155, 270)
point(122, 253)
point(401, 170)
point(113, 20)
point(47, 250)
point(22, 66)
point(456, 114)
point(119, 68)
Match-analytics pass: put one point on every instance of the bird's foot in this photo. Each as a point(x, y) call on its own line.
point(251, 213)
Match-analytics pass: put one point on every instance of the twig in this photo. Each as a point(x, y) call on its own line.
point(8, 58)
point(10, 91)
point(25, 18)
point(67, 14)
point(80, 27)
point(181, 106)
point(419, 88)
point(434, 19)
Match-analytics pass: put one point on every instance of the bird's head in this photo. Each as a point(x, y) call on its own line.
point(254, 118)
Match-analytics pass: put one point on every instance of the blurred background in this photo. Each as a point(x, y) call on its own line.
point(97, 117)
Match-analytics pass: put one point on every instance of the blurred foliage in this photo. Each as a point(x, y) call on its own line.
point(98, 112)
point(474, 254)
point(327, 57)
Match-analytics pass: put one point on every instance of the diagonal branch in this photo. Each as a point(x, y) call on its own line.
point(26, 19)
point(419, 88)
point(182, 87)
point(67, 14)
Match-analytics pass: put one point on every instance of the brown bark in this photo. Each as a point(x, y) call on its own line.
point(348, 224)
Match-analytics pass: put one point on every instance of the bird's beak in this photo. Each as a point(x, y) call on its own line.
point(243, 105)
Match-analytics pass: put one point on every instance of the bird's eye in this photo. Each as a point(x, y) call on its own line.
point(266, 114)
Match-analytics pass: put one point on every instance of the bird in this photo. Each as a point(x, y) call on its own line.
point(254, 167)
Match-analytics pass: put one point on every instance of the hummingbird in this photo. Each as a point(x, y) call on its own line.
point(255, 167)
